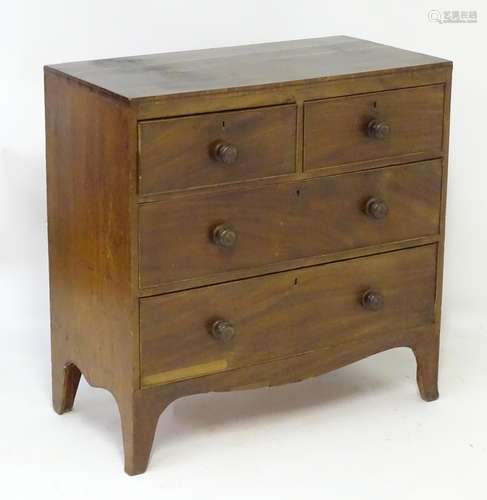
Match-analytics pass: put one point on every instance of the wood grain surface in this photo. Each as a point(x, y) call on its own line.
point(335, 130)
point(286, 221)
point(89, 221)
point(177, 153)
point(256, 65)
point(284, 314)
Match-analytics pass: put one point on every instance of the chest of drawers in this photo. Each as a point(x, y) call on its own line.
point(242, 217)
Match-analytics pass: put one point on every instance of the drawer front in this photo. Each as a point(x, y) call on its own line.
point(207, 330)
point(216, 148)
point(179, 238)
point(375, 126)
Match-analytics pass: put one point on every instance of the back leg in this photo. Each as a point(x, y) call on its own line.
point(427, 355)
point(65, 381)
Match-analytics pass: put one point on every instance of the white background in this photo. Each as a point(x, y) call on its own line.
point(358, 433)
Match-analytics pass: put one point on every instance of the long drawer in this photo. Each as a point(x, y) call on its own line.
point(212, 329)
point(249, 228)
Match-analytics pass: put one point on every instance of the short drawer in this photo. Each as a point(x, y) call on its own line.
point(221, 327)
point(216, 148)
point(376, 126)
point(200, 235)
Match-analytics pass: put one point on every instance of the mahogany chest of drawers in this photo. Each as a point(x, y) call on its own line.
point(242, 217)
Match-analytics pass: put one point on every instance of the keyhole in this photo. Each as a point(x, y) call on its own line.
point(298, 192)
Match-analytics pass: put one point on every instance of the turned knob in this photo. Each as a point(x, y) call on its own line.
point(376, 208)
point(378, 129)
point(225, 152)
point(372, 300)
point(224, 235)
point(222, 330)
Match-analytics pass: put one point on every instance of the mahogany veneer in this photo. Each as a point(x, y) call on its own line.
point(242, 217)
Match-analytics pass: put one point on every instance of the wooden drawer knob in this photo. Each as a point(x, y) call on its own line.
point(372, 300)
point(222, 330)
point(378, 129)
point(376, 208)
point(225, 152)
point(224, 235)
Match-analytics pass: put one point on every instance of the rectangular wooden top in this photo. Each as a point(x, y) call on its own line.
point(254, 66)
